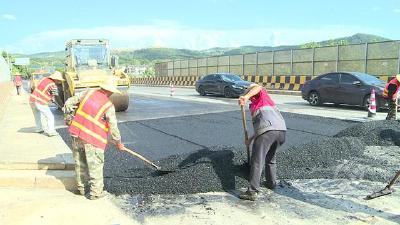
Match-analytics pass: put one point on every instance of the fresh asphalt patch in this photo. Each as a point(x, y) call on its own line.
point(207, 153)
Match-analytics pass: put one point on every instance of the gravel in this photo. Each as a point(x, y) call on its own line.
point(312, 151)
point(222, 168)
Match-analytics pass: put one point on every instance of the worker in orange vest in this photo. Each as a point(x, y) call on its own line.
point(39, 100)
point(390, 94)
point(94, 119)
point(18, 82)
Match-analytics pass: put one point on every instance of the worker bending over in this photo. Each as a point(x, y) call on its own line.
point(94, 118)
point(269, 133)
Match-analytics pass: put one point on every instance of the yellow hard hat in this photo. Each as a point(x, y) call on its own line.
point(110, 86)
point(398, 77)
point(56, 76)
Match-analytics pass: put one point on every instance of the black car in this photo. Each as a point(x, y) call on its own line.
point(350, 88)
point(226, 84)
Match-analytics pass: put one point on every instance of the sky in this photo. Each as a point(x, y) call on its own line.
point(45, 25)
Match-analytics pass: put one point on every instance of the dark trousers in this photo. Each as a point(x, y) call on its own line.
point(263, 154)
point(392, 110)
point(18, 91)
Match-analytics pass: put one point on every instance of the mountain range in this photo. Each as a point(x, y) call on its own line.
point(151, 55)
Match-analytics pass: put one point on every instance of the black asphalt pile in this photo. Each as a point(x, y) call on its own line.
point(317, 159)
point(344, 155)
point(375, 133)
point(222, 168)
point(215, 169)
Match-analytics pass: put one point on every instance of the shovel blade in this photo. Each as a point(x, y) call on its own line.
point(385, 191)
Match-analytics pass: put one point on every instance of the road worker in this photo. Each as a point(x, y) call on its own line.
point(94, 118)
point(269, 133)
point(390, 94)
point(39, 100)
point(18, 82)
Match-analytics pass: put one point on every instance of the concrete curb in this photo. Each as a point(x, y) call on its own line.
point(57, 179)
point(35, 166)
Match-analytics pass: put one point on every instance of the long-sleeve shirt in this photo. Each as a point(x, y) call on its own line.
point(73, 102)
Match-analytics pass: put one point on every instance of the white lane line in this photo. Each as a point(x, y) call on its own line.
point(214, 101)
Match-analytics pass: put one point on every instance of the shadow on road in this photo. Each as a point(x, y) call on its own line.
point(223, 164)
point(27, 130)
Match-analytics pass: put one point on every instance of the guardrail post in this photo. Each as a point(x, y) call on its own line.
point(256, 63)
point(312, 63)
point(273, 62)
point(337, 58)
point(291, 61)
point(398, 59)
point(207, 65)
point(366, 58)
point(217, 64)
point(243, 64)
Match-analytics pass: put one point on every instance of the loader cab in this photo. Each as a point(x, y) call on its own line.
point(87, 54)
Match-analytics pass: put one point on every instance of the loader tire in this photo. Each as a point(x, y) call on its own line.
point(120, 101)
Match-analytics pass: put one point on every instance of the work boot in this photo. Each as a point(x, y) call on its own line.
point(95, 197)
point(79, 191)
point(249, 195)
point(52, 134)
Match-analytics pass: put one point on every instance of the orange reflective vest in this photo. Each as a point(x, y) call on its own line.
point(88, 123)
point(385, 93)
point(42, 94)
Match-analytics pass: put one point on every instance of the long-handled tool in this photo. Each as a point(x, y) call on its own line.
point(158, 168)
point(246, 134)
point(386, 191)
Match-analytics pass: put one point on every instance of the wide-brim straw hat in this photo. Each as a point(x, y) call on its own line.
point(398, 77)
point(56, 76)
point(110, 86)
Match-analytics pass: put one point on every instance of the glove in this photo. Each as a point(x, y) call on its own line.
point(119, 145)
point(68, 119)
point(54, 92)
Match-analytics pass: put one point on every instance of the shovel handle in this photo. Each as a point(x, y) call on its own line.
point(246, 134)
point(141, 157)
point(394, 179)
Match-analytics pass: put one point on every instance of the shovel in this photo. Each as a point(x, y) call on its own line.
point(386, 191)
point(246, 134)
point(158, 168)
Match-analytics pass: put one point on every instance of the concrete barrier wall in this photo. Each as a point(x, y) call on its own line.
point(291, 83)
point(379, 58)
point(285, 69)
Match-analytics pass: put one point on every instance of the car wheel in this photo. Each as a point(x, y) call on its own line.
point(366, 102)
point(202, 92)
point(227, 92)
point(314, 98)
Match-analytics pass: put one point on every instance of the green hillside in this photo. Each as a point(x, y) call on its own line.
point(152, 55)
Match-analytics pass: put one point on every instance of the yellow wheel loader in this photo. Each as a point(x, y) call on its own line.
point(89, 64)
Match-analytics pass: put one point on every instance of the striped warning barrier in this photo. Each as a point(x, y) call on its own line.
point(292, 83)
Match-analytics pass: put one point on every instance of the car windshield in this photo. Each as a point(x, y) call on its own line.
point(230, 77)
point(369, 79)
point(89, 55)
point(40, 76)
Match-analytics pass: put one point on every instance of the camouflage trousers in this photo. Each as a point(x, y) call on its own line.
point(89, 162)
point(392, 110)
